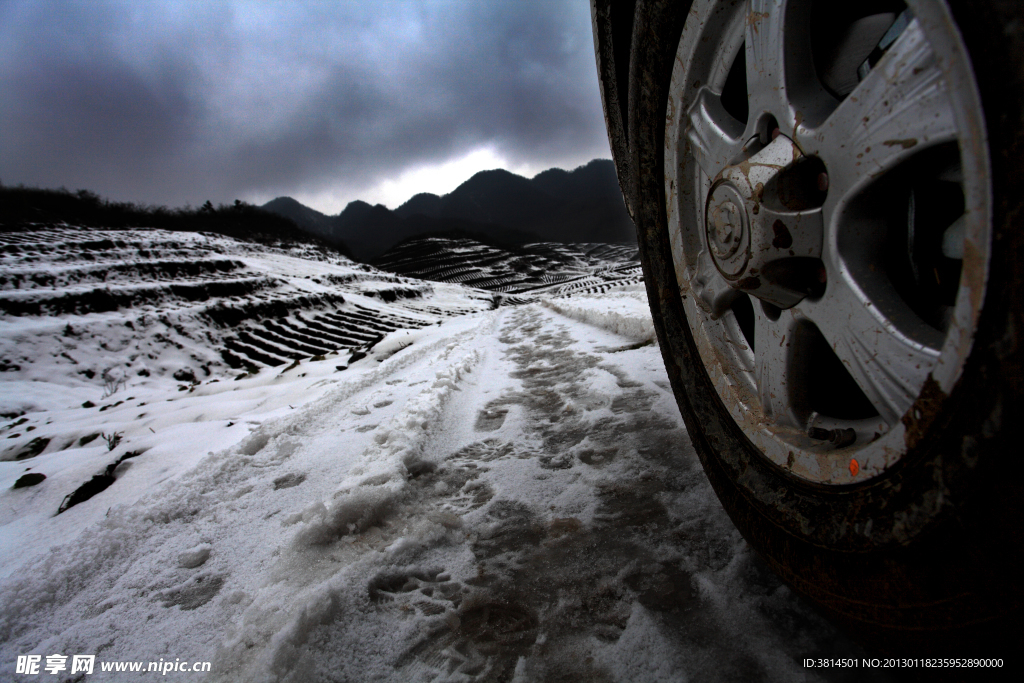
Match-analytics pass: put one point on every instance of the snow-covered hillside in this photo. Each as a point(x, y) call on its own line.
point(95, 305)
point(412, 485)
point(532, 271)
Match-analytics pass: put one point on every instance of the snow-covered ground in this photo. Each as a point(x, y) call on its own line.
point(507, 494)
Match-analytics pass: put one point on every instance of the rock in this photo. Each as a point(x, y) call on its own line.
point(98, 484)
point(185, 375)
point(34, 448)
point(87, 439)
point(30, 479)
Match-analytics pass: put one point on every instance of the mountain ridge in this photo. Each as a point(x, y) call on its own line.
point(582, 205)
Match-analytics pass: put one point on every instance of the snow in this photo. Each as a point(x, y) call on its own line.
point(614, 311)
point(509, 494)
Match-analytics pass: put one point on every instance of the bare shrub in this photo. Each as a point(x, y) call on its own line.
point(112, 440)
point(112, 384)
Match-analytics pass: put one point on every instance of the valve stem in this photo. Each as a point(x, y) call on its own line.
point(840, 438)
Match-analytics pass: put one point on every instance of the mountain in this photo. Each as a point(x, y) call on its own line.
point(424, 204)
point(27, 209)
point(501, 198)
point(309, 219)
point(583, 205)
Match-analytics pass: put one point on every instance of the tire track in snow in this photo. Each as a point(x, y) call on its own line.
point(112, 573)
point(568, 534)
point(558, 527)
point(365, 513)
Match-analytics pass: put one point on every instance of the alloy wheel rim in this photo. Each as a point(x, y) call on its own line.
point(831, 242)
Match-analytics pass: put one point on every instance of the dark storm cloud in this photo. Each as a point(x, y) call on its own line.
point(180, 102)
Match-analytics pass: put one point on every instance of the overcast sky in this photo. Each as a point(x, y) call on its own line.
point(178, 102)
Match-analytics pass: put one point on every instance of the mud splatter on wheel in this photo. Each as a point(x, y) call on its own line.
point(825, 197)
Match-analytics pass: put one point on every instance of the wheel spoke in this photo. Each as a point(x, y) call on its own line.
point(765, 42)
point(899, 109)
point(713, 135)
point(772, 364)
point(888, 356)
point(710, 289)
point(801, 236)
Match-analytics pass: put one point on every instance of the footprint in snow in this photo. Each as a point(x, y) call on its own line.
point(289, 480)
point(459, 476)
point(482, 643)
point(193, 593)
point(427, 591)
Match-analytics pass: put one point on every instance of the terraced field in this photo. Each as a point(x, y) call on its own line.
point(104, 305)
point(535, 270)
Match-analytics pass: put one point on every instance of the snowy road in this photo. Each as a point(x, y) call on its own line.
point(511, 495)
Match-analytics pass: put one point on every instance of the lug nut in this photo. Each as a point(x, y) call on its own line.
point(776, 133)
point(822, 181)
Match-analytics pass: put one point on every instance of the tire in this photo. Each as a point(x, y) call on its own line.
point(885, 487)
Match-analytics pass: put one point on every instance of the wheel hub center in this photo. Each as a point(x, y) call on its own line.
point(763, 225)
point(728, 229)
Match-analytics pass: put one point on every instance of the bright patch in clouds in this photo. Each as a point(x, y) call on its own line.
point(441, 178)
point(438, 179)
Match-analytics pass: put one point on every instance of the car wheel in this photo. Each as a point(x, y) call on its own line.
point(825, 196)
